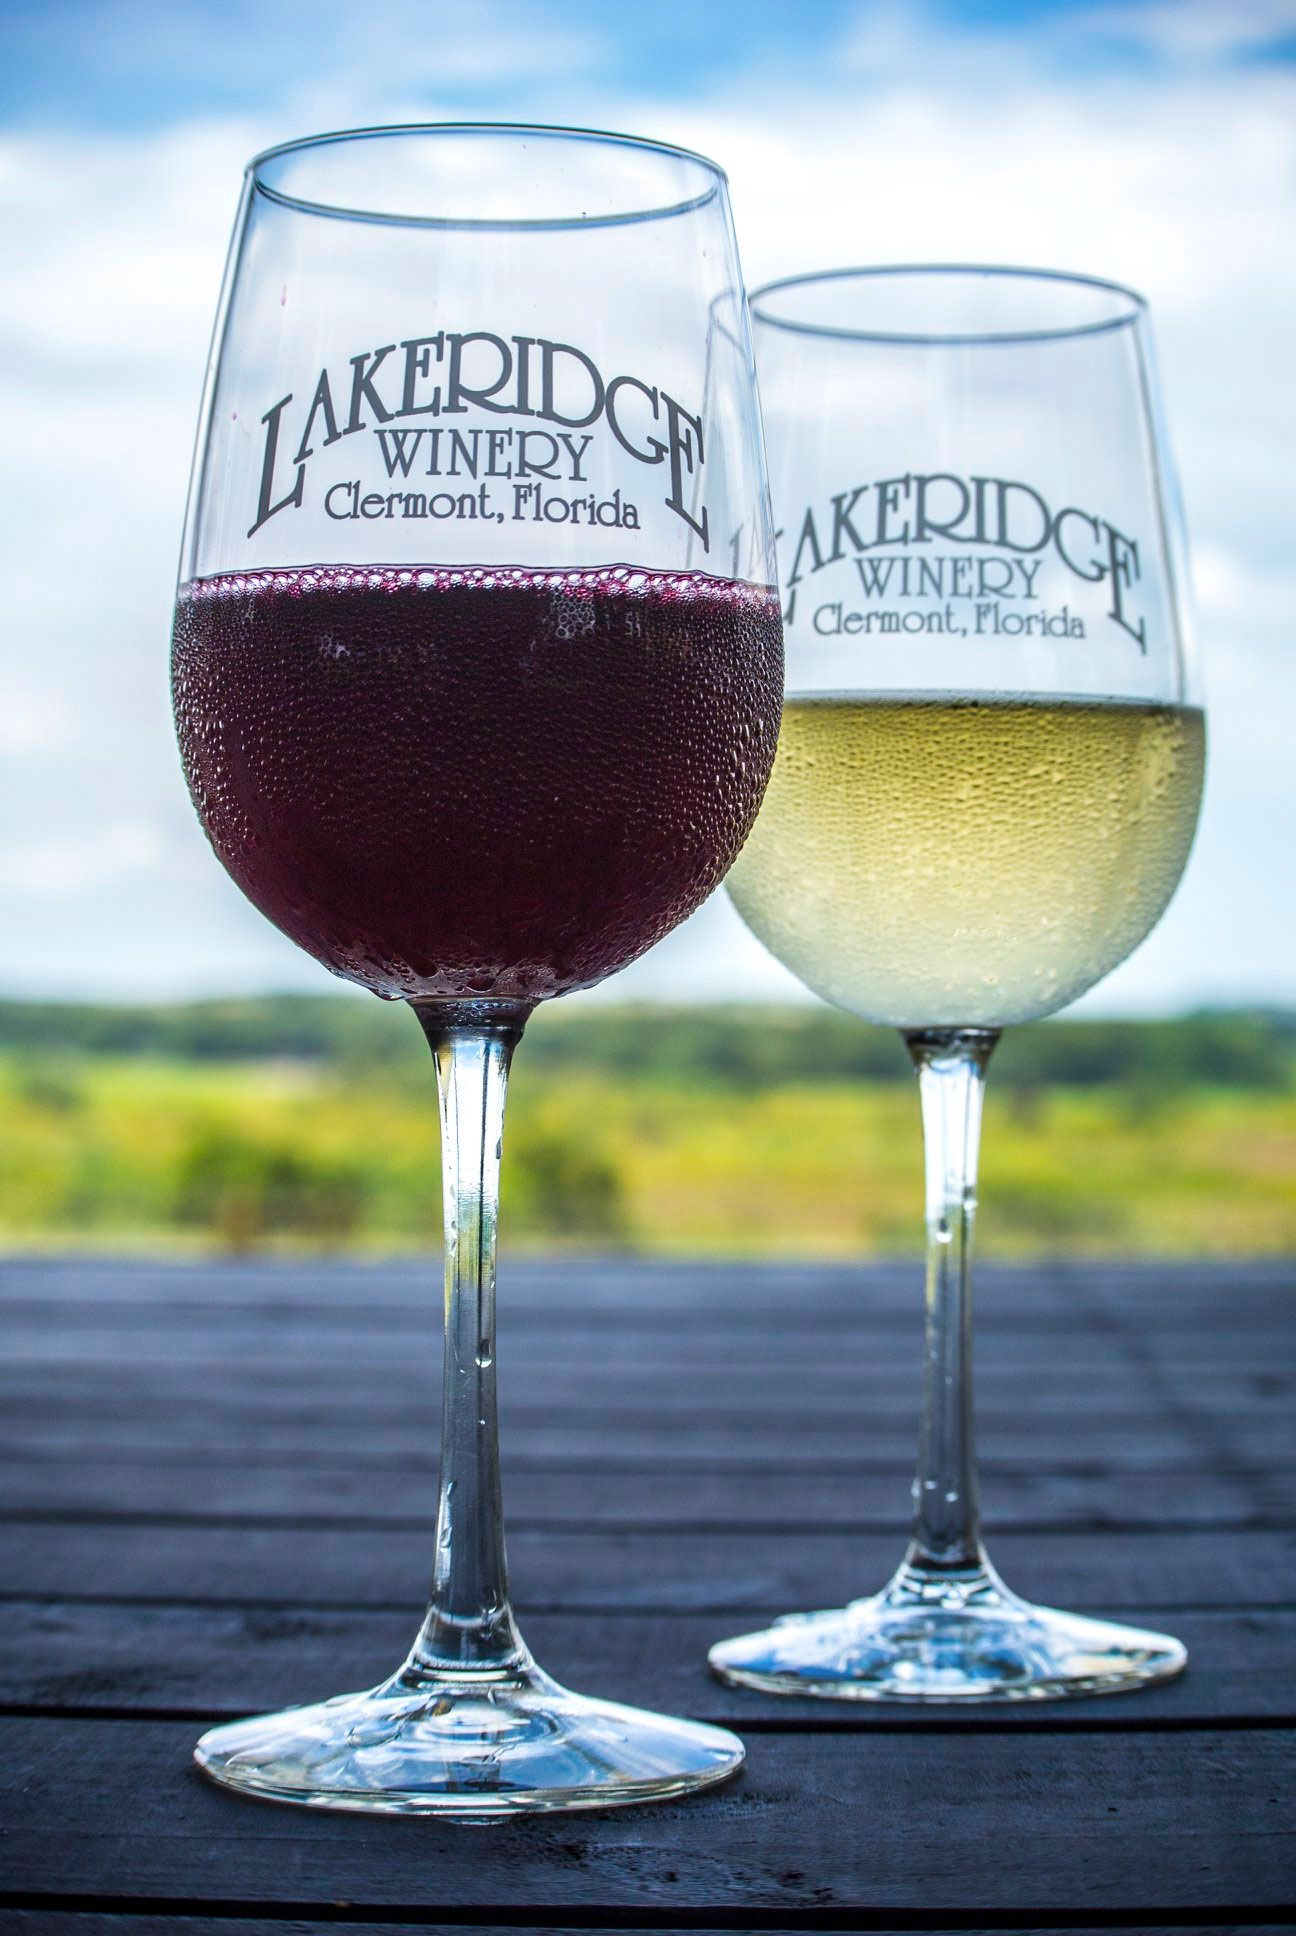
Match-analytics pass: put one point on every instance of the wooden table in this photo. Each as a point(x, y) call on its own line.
point(217, 1498)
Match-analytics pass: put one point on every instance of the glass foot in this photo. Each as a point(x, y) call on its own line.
point(946, 1637)
point(468, 1749)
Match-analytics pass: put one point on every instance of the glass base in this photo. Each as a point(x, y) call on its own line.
point(946, 1637)
point(468, 1748)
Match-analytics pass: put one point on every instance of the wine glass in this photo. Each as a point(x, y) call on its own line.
point(986, 788)
point(477, 670)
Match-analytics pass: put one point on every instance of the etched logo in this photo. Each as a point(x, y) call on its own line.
point(513, 472)
point(879, 527)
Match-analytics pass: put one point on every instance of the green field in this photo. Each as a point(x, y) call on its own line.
point(293, 1123)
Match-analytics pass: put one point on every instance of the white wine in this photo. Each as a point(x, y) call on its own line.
point(932, 860)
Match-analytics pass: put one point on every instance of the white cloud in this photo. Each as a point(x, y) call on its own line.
point(36, 722)
point(1194, 30)
point(65, 864)
point(1232, 588)
point(121, 242)
point(908, 140)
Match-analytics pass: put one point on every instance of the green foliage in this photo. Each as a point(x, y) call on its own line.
point(563, 1182)
point(740, 1047)
point(245, 1188)
point(311, 1123)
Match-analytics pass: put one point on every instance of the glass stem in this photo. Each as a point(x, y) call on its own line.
point(469, 1626)
point(951, 1066)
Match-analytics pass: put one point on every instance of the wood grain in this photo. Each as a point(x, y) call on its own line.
point(1178, 1822)
point(216, 1492)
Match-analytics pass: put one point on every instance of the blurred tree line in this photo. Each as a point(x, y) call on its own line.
point(310, 1121)
point(746, 1047)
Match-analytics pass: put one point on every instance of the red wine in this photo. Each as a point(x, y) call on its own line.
point(456, 783)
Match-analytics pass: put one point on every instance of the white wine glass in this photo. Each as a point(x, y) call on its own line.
point(477, 669)
point(986, 788)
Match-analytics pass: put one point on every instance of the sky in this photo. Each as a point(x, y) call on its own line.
point(1151, 141)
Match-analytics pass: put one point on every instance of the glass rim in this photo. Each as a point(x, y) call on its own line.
point(255, 174)
point(1134, 306)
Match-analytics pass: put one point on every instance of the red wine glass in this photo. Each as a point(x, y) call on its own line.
point(477, 672)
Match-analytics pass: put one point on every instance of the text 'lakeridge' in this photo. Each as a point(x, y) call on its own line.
point(998, 512)
point(448, 374)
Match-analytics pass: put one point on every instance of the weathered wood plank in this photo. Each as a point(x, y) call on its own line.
point(252, 1448)
point(227, 1661)
point(90, 1922)
point(750, 1397)
point(846, 1370)
point(313, 1394)
point(403, 1493)
point(735, 1570)
point(807, 1332)
point(1040, 1824)
point(621, 1443)
point(200, 1407)
point(110, 1384)
point(634, 1339)
point(1235, 1293)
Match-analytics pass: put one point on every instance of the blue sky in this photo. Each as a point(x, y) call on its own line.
point(119, 64)
point(1149, 140)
